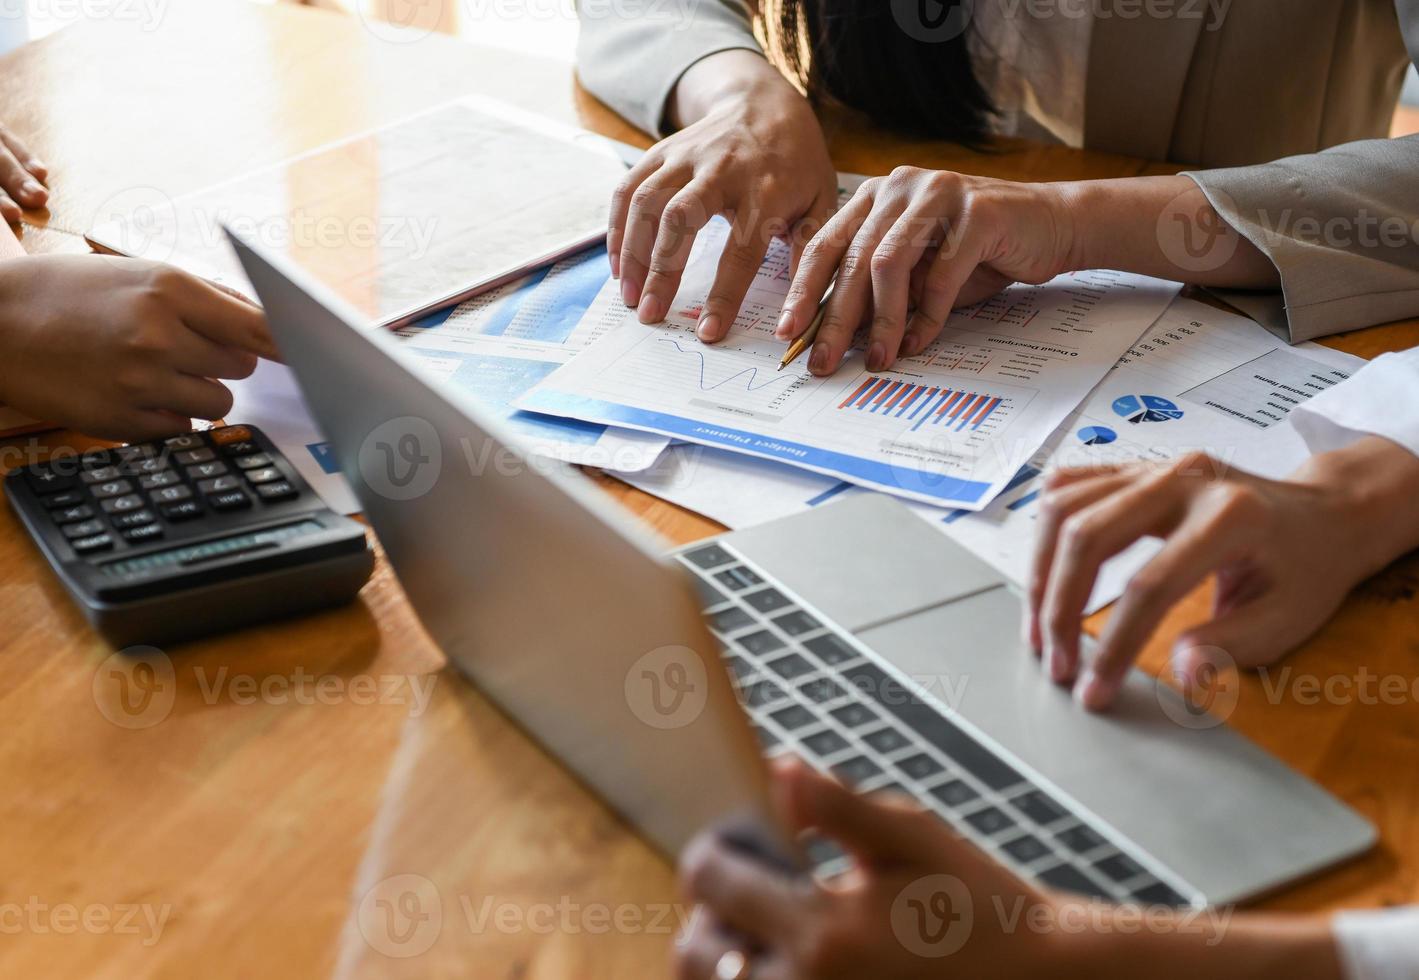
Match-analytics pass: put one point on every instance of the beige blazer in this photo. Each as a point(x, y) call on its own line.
point(1284, 103)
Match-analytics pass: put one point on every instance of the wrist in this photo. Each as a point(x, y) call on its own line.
point(736, 77)
point(1371, 487)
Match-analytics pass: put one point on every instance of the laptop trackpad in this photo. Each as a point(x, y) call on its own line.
point(865, 560)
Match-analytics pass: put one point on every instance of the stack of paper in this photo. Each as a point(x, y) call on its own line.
point(1092, 367)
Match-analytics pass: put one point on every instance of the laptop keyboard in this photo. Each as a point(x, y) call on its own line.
point(813, 690)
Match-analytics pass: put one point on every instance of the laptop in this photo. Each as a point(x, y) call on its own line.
point(849, 635)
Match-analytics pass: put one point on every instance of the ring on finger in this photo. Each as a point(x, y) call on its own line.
point(733, 965)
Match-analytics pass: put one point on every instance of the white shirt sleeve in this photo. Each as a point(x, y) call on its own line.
point(1379, 945)
point(1381, 399)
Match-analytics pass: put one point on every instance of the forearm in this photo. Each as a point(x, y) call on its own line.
point(737, 74)
point(1132, 944)
point(1164, 227)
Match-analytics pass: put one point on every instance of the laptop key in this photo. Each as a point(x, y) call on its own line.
point(824, 743)
point(821, 690)
point(762, 693)
point(955, 793)
point(1119, 867)
point(762, 642)
point(1026, 850)
point(1080, 839)
point(1158, 894)
point(1039, 808)
point(794, 717)
point(990, 821)
point(731, 619)
point(886, 740)
point(920, 766)
point(789, 666)
point(854, 715)
point(738, 578)
point(797, 623)
point(710, 556)
point(928, 722)
point(1066, 877)
point(830, 649)
point(858, 769)
point(768, 600)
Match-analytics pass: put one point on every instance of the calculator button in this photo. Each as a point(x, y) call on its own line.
point(253, 461)
point(67, 499)
point(46, 480)
point(230, 433)
point(265, 474)
point(100, 474)
point(183, 510)
point(272, 492)
point(156, 464)
point(97, 542)
point(123, 504)
point(143, 532)
point(243, 448)
point(79, 512)
point(133, 518)
point(84, 529)
point(205, 471)
point(155, 480)
point(96, 458)
point(231, 500)
point(220, 484)
point(113, 488)
point(189, 456)
point(129, 454)
point(188, 440)
point(168, 495)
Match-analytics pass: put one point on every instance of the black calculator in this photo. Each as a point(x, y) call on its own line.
point(202, 532)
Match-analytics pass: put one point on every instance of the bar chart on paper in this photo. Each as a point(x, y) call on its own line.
point(922, 405)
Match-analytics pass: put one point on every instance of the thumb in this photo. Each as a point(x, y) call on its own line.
point(875, 831)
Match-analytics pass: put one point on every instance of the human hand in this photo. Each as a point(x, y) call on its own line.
point(896, 914)
point(22, 177)
point(928, 240)
point(1285, 554)
point(121, 348)
point(757, 156)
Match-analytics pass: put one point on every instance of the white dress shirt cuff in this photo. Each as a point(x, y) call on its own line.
point(1379, 945)
point(1381, 399)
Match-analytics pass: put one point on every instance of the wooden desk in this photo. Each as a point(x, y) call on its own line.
point(262, 827)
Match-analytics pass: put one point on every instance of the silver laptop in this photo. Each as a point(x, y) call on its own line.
point(849, 635)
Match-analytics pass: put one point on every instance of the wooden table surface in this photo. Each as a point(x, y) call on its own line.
point(322, 796)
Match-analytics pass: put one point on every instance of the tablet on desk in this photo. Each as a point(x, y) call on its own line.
point(399, 221)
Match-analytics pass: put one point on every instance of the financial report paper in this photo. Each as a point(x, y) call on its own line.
point(951, 425)
point(1216, 382)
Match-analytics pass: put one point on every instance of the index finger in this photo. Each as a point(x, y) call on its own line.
point(223, 318)
point(1204, 540)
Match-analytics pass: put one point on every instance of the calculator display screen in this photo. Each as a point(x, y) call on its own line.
point(193, 554)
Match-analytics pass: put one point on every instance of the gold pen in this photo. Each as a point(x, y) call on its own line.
point(805, 340)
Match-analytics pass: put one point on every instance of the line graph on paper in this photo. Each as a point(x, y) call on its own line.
point(750, 379)
point(739, 377)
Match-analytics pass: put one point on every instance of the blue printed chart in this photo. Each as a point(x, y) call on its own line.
point(1138, 409)
point(1097, 435)
point(499, 345)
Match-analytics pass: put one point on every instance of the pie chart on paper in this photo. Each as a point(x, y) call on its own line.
point(1097, 435)
point(1146, 408)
